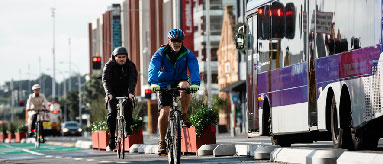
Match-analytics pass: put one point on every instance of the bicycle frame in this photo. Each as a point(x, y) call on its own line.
point(173, 135)
point(38, 126)
point(120, 127)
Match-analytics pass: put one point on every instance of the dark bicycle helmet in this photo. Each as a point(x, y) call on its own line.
point(119, 50)
point(176, 34)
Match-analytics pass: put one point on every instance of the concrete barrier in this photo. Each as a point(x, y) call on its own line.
point(349, 157)
point(224, 150)
point(151, 149)
point(134, 148)
point(206, 150)
point(290, 155)
point(263, 151)
point(324, 156)
point(141, 149)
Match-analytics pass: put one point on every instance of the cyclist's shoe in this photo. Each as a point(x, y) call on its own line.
point(186, 121)
point(112, 145)
point(162, 148)
point(31, 134)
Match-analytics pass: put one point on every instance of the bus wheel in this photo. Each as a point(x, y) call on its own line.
point(282, 141)
point(341, 135)
point(362, 141)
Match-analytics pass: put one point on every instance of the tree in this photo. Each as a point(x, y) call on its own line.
point(71, 103)
point(94, 94)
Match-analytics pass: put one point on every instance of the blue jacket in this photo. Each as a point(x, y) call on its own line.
point(172, 74)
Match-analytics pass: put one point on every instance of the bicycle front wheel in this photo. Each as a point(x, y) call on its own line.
point(177, 137)
point(37, 134)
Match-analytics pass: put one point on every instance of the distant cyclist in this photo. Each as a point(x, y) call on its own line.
point(119, 79)
point(36, 100)
point(169, 67)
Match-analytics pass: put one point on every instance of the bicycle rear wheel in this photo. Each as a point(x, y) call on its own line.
point(37, 134)
point(177, 137)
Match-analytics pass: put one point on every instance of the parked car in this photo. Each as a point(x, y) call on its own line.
point(70, 128)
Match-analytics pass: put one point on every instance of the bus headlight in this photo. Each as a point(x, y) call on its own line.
point(79, 130)
point(65, 130)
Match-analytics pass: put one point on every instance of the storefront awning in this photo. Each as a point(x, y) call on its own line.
point(237, 86)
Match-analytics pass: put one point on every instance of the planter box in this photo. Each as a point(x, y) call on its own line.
point(135, 138)
point(191, 143)
point(3, 136)
point(20, 135)
point(103, 139)
point(95, 142)
point(11, 136)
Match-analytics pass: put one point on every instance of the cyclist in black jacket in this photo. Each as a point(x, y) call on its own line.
point(119, 79)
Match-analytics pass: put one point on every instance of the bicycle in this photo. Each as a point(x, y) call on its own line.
point(173, 135)
point(38, 127)
point(120, 127)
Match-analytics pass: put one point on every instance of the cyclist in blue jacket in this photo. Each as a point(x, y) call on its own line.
point(169, 66)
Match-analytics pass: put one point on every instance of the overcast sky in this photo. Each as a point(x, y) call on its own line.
point(26, 34)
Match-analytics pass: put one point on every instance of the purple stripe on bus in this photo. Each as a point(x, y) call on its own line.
point(288, 85)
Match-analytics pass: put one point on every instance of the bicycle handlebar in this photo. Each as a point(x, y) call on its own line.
point(44, 110)
point(174, 89)
point(123, 97)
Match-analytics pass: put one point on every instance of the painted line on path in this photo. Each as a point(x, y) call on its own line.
point(32, 152)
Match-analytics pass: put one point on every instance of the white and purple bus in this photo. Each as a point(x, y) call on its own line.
point(314, 71)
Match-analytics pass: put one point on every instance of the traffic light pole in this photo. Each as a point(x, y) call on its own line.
point(149, 117)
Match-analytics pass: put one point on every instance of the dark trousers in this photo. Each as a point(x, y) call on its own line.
point(112, 114)
point(34, 119)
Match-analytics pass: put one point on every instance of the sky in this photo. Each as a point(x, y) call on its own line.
point(26, 35)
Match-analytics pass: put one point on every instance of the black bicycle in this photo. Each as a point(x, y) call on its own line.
point(173, 135)
point(121, 133)
point(38, 126)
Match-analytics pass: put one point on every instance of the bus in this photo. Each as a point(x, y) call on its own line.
point(314, 71)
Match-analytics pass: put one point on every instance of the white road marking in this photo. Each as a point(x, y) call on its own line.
point(48, 156)
point(105, 161)
point(32, 152)
point(77, 159)
point(90, 160)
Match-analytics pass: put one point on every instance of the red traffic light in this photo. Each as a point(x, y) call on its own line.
point(96, 59)
point(148, 91)
point(260, 11)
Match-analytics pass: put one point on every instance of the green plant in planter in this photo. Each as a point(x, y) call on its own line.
point(21, 128)
point(103, 126)
point(137, 124)
point(94, 126)
point(203, 118)
point(11, 128)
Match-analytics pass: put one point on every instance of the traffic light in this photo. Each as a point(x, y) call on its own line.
point(148, 94)
point(96, 62)
point(277, 20)
point(21, 102)
point(290, 20)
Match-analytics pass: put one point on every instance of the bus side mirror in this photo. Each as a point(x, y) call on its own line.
point(240, 41)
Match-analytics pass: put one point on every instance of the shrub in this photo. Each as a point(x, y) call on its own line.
point(21, 128)
point(203, 118)
point(137, 124)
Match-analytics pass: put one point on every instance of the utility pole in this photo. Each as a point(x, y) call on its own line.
point(208, 53)
point(54, 58)
point(79, 99)
point(70, 74)
point(12, 100)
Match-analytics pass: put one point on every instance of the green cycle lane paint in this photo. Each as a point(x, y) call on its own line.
point(18, 148)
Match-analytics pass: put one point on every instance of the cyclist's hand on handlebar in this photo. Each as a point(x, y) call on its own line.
point(194, 88)
point(110, 96)
point(155, 87)
point(131, 96)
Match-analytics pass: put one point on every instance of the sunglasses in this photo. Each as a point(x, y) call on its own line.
point(176, 40)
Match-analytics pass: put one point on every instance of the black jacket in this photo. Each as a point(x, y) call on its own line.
point(117, 79)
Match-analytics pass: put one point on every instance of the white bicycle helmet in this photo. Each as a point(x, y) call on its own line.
point(36, 86)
